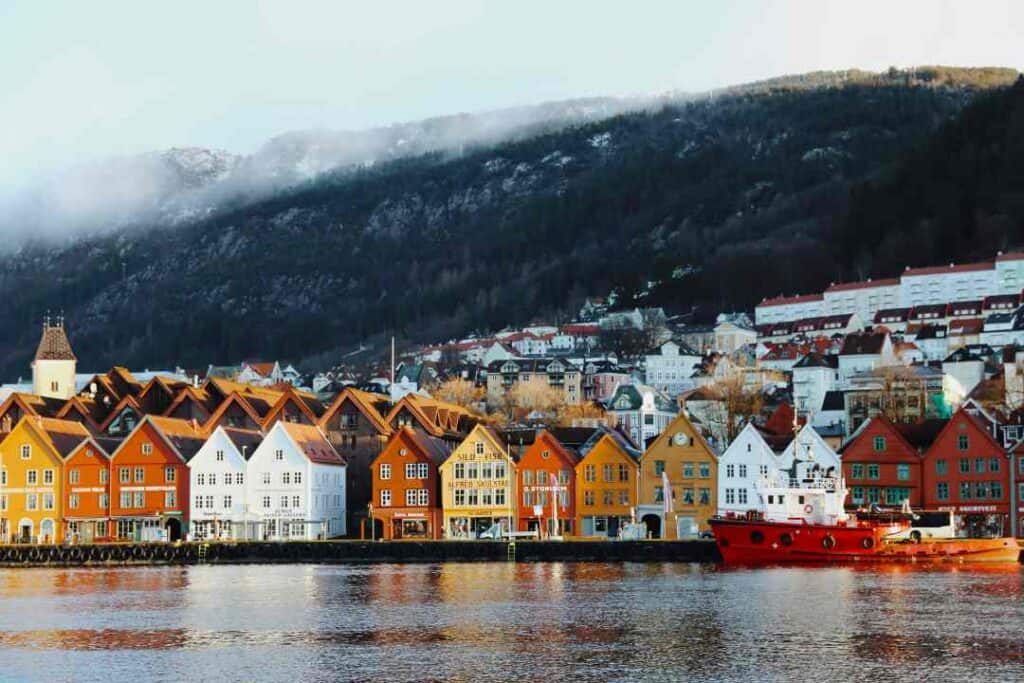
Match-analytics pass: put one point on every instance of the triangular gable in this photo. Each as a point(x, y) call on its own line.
point(571, 458)
point(89, 442)
point(287, 397)
point(126, 403)
point(233, 399)
point(75, 405)
point(962, 415)
point(361, 400)
point(34, 425)
point(669, 432)
point(890, 431)
point(149, 420)
point(417, 414)
point(188, 395)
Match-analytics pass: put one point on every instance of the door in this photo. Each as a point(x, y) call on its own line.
point(613, 527)
point(653, 523)
point(46, 532)
point(173, 528)
point(25, 532)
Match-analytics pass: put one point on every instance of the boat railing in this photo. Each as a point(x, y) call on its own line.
point(824, 483)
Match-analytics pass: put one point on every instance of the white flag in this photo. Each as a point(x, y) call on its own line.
point(666, 493)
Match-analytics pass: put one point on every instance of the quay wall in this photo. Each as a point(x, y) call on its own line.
point(316, 552)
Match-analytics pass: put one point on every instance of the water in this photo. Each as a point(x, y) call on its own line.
point(503, 621)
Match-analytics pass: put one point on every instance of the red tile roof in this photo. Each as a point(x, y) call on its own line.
point(951, 268)
point(54, 344)
point(866, 284)
point(783, 300)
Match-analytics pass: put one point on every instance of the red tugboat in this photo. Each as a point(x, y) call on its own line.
point(805, 521)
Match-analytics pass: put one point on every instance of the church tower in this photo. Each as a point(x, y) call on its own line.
point(53, 368)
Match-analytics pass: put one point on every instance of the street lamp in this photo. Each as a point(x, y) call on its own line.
point(373, 528)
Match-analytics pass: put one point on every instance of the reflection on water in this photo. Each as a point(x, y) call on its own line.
point(507, 621)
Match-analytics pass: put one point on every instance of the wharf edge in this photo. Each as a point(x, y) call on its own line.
point(353, 552)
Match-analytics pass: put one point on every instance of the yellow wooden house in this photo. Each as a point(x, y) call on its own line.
point(31, 478)
point(691, 467)
point(477, 483)
point(606, 485)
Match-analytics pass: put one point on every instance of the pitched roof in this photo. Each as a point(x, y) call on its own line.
point(313, 443)
point(951, 268)
point(245, 440)
point(864, 343)
point(64, 435)
point(783, 300)
point(817, 360)
point(369, 404)
point(833, 400)
point(428, 446)
point(54, 344)
point(185, 436)
point(867, 284)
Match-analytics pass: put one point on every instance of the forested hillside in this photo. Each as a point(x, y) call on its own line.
point(783, 186)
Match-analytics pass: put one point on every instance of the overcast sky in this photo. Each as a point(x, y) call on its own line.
point(86, 80)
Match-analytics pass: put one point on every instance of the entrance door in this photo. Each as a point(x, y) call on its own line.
point(653, 523)
point(25, 532)
point(46, 532)
point(173, 528)
point(613, 527)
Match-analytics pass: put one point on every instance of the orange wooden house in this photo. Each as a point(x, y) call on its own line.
point(149, 485)
point(86, 475)
point(543, 466)
point(406, 486)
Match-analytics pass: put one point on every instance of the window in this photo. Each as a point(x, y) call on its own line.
point(200, 479)
point(764, 470)
point(198, 503)
point(220, 456)
point(688, 470)
point(623, 497)
point(26, 451)
point(147, 448)
point(965, 466)
point(993, 465)
point(479, 447)
point(410, 473)
point(140, 475)
point(385, 498)
point(499, 470)
point(32, 477)
point(32, 501)
point(266, 478)
point(962, 442)
point(588, 497)
point(941, 467)
point(879, 444)
point(460, 496)
point(730, 472)
point(3, 477)
point(874, 495)
point(472, 471)
point(487, 471)
point(239, 478)
point(170, 475)
point(296, 501)
point(730, 496)
point(996, 490)
point(607, 472)
point(743, 471)
point(979, 465)
point(874, 471)
point(74, 476)
point(423, 496)
point(213, 479)
point(981, 489)
point(705, 470)
point(659, 494)
point(170, 499)
point(903, 472)
point(126, 499)
point(104, 502)
point(284, 503)
point(473, 497)
point(742, 496)
point(857, 494)
point(460, 471)
point(286, 477)
point(279, 454)
point(410, 496)
point(499, 496)
point(704, 496)
point(48, 476)
point(563, 476)
point(3, 503)
point(623, 473)
point(857, 471)
point(139, 499)
point(608, 497)
point(73, 501)
point(589, 473)
point(266, 502)
point(527, 477)
point(688, 496)
point(385, 473)
point(965, 490)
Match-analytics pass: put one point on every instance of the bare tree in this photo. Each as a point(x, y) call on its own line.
point(730, 405)
point(461, 392)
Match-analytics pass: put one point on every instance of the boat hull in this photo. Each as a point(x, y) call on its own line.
point(743, 541)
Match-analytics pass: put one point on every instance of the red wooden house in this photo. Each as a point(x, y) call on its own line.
point(967, 471)
point(406, 486)
point(881, 466)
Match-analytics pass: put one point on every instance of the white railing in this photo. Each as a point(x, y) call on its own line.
point(826, 483)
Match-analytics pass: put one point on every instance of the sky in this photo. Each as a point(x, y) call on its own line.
point(83, 81)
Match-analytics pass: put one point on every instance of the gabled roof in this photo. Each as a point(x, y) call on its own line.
point(615, 437)
point(84, 406)
point(127, 402)
point(963, 415)
point(184, 437)
point(102, 446)
point(31, 404)
point(54, 344)
point(199, 396)
point(311, 442)
point(245, 440)
point(233, 399)
point(887, 425)
point(864, 343)
point(834, 400)
point(289, 396)
point(367, 403)
point(64, 436)
point(817, 360)
point(428, 447)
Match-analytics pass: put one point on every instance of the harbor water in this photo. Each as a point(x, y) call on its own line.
point(512, 622)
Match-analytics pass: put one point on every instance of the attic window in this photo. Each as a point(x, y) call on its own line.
point(147, 448)
point(278, 454)
point(479, 447)
point(26, 451)
point(545, 454)
point(402, 452)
